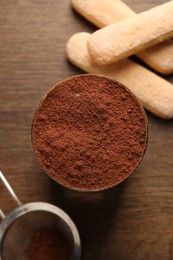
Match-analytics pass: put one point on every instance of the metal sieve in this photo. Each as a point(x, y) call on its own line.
point(18, 226)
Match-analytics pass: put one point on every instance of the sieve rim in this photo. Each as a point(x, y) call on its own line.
point(41, 206)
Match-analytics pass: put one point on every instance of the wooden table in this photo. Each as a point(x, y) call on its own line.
point(131, 222)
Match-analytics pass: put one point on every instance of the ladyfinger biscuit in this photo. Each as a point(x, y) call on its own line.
point(106, 12)
point(102, 12)
point(155, 93)
point(131, 35)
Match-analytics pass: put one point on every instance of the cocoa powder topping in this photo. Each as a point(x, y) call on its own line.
point(89, 132)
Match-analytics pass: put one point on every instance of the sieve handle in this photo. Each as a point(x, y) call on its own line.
point(2, 215)
point(10, 190)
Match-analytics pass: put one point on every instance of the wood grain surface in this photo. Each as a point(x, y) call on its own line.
point(131, 222)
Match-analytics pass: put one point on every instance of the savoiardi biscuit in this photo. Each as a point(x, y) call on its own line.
point(131, 35)
point(106, 12)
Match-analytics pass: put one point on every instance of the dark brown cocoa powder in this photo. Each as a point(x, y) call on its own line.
point(89, 132)
point(48, 244)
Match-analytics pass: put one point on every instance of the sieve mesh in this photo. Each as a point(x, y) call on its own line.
point(18, 234)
